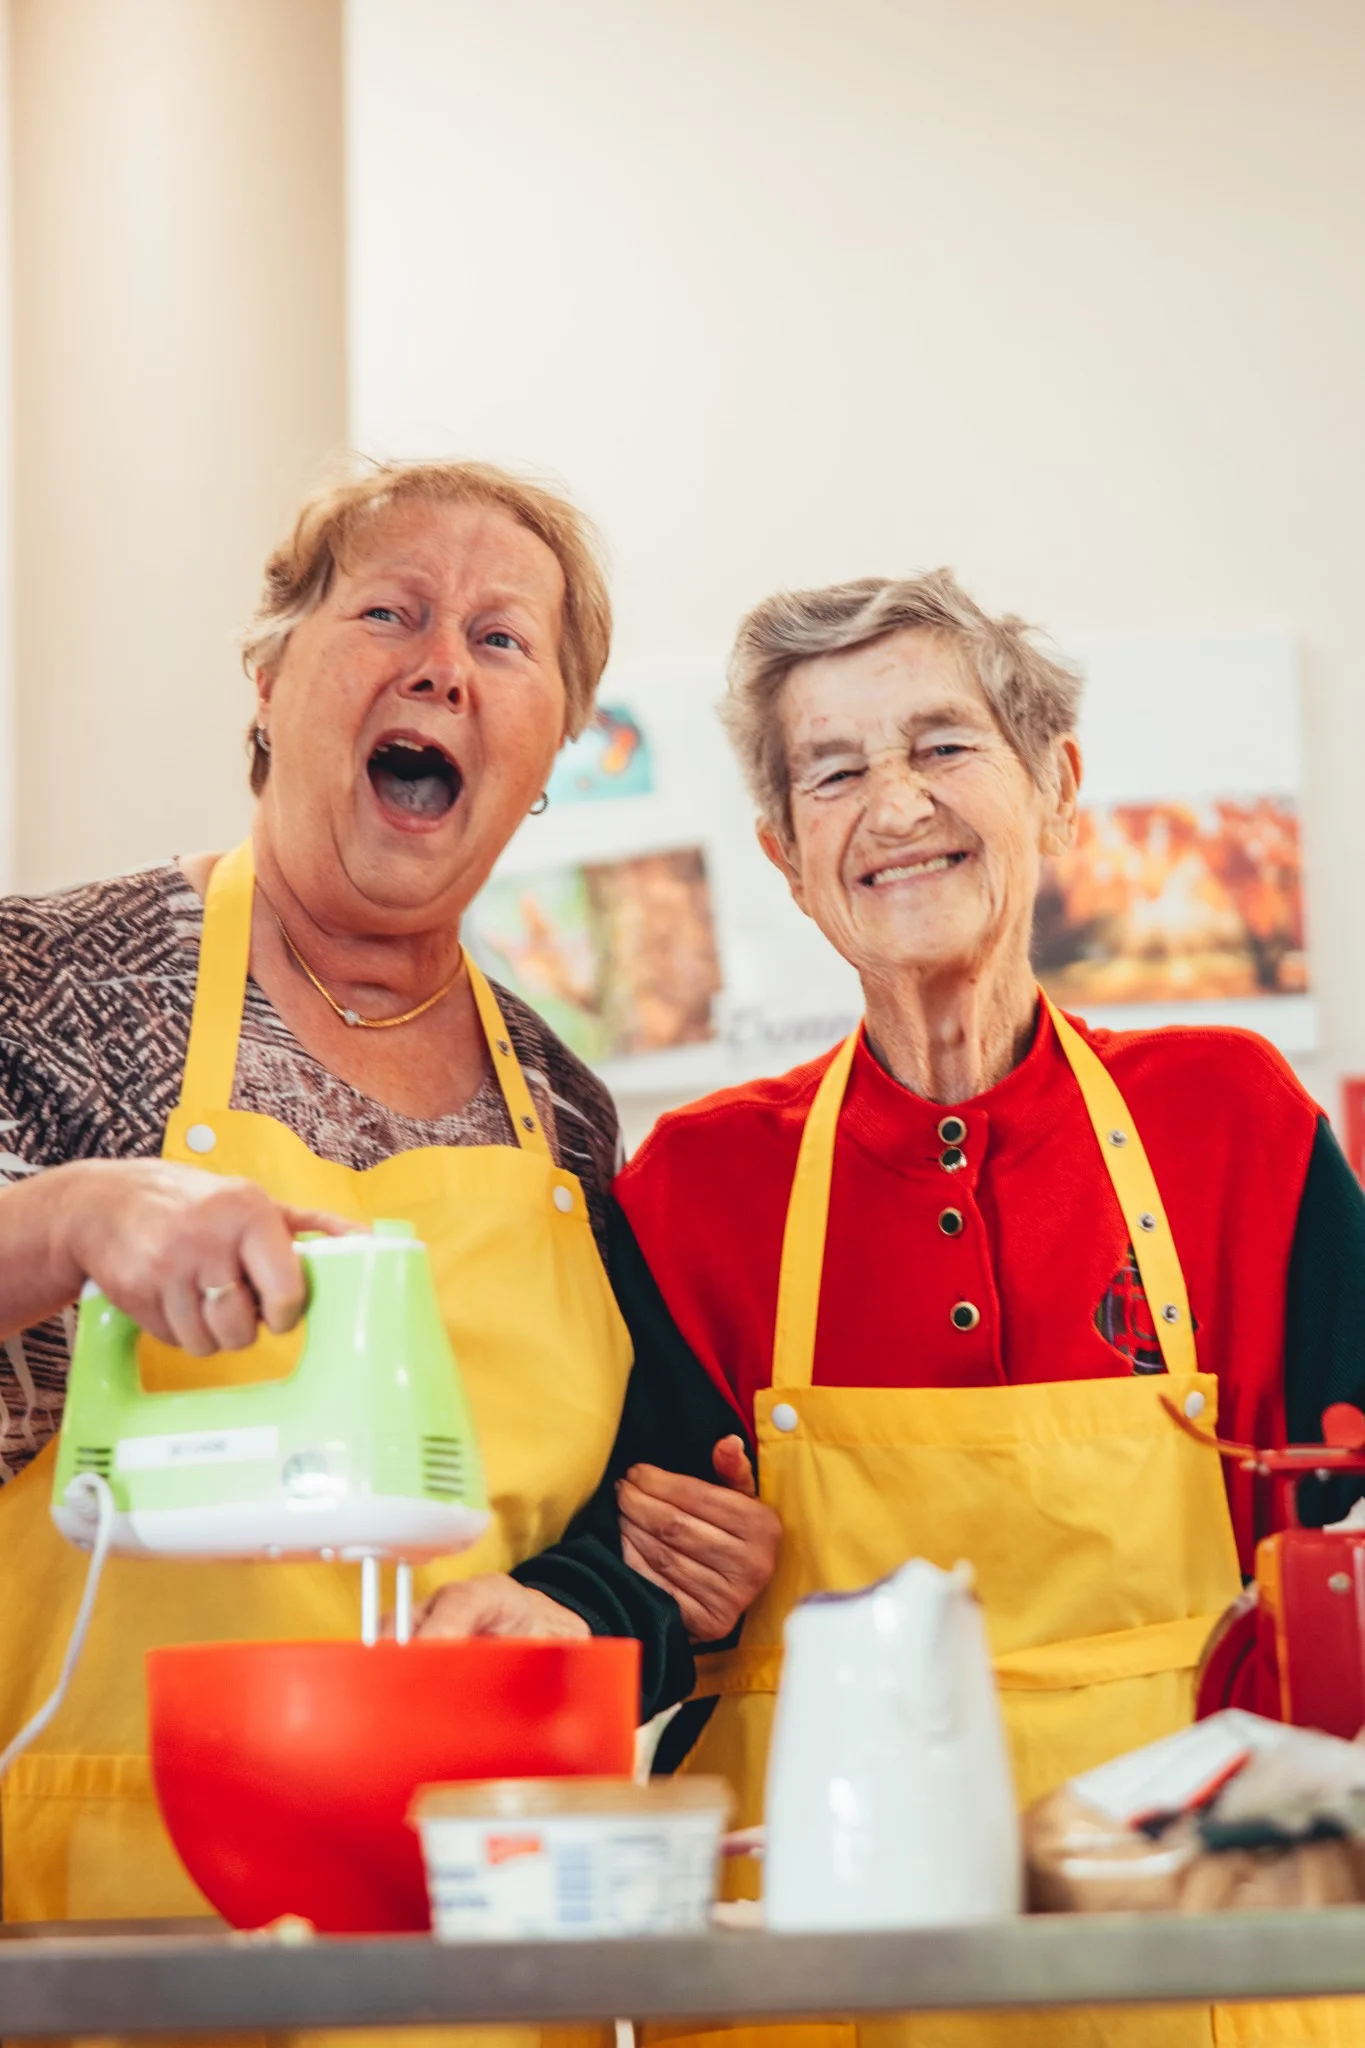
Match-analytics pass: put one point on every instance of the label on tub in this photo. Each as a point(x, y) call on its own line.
point(197, 1447)
point(558, 1877)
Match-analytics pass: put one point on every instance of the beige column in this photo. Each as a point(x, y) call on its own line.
point(179, 374)
point(7, 832)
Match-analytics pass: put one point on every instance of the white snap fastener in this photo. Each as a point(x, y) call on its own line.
point(1195, 1404)
point(785, 1417)
point(563, 1200)
point(201, 1137)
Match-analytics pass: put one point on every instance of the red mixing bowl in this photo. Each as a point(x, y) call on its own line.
point(284, 1770)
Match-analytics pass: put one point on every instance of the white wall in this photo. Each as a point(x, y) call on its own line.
point(1067, 293)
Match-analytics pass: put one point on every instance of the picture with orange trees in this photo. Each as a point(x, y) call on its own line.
point(1175, 902)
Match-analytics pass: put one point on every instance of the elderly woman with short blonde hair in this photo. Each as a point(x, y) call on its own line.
point(972, 1277)
point(199, 1059)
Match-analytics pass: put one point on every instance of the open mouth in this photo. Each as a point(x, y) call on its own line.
point(912, 870)
point(413, 777)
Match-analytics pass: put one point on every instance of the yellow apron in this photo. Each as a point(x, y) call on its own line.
point(544, 1355)
point(1100, 1536)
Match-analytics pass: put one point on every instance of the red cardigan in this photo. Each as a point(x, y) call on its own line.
point(1042, 1248)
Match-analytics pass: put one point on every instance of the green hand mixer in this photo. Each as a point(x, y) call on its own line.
point(364, 1453)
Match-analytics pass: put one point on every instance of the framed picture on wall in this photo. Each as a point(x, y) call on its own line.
point(1183, 898)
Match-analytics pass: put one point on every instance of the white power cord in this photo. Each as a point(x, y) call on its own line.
point(87, 1483)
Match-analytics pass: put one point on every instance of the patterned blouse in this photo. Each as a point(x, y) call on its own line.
point(96, 994)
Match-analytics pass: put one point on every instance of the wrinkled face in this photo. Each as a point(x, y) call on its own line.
point(917, 831)
point(414, 716)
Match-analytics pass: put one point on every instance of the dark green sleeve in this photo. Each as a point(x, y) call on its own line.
point(1324, 1337)
point(674, 1416)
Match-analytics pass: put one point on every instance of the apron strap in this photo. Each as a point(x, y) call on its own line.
point(1134, 1183)
point(803, 1238)
point(224, 953)
point(515, 1093)
point(1125, 1159)
point(220, 990)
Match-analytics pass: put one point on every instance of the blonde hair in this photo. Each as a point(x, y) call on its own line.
point(299, 573)
point(1034, 697)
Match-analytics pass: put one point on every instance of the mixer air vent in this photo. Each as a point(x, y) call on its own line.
point(442, 1467)
point(95, 1458)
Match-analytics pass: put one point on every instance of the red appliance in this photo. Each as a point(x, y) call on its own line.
point(284, 1771)
point(1353, 1104)
point(1293, 1646)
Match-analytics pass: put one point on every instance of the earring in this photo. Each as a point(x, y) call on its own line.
point(540, 806)
point(263, 739)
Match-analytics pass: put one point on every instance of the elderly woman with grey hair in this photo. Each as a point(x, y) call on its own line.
point(976, 1278)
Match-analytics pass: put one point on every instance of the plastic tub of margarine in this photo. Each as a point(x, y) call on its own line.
point(518, 1859)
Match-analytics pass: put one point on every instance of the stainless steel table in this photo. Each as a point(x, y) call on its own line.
point(184, 1977)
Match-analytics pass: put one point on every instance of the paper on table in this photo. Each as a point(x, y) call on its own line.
point(1183, 1771)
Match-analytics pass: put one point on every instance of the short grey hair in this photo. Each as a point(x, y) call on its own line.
point(1035, 696)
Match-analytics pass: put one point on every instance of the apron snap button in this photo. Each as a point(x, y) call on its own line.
point(952, 1130)
point(966, 1315)
point(1118, 1137)
point(951, 1222)
point(1170, 1314)
point(785, 1417)
point(201, 1138)
point(563, 1200)
point(952, 1158)
point(1195, 1404)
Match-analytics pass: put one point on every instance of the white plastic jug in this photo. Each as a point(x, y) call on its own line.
point(889, 1800)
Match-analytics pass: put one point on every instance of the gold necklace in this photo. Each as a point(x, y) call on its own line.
point(354, 1017)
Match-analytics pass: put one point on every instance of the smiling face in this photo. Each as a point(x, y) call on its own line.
point(414, 717)
point(917, 831)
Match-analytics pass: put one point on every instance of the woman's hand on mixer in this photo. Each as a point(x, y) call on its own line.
point(714, 1548)
point(492, 1605)
point(196, 1259)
